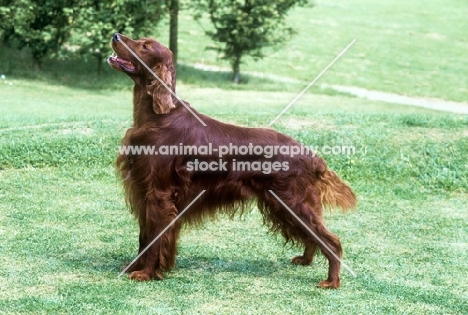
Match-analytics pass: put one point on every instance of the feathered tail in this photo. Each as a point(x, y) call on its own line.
point(334, 193)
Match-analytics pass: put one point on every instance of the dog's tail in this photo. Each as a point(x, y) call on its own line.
point(334, 193)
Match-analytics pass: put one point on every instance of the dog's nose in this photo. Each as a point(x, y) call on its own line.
point(116, 37)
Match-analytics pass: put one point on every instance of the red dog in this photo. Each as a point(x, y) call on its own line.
point(158, 187)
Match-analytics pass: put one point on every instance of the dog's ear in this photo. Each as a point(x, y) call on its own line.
point(162, 97)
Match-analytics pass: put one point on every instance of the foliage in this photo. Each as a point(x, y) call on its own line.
point(98, 20)
point(241, 27)
point(46, 25)
point(246, 27)
point(41, 25)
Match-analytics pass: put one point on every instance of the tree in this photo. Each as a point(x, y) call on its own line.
point(85, 26)
point(246, 27)
point(41, 25)
point(173, 6)
point(98, 20)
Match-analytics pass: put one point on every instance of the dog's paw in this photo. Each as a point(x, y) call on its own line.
point(327, 284)
point(302, 260)
point(134, 267)
point(141, 275)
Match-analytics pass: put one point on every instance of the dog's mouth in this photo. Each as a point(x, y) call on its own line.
point(120, 64)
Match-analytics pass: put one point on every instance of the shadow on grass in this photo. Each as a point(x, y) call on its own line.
point(222, 79)
point(114, 262)
point(258, 267)
point(76, 73)
point(111, 262)
point(81, 73)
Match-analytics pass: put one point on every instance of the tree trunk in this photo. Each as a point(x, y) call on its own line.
point(99, 66)
point(37, 63)
point(236, 69)
point(173, 25)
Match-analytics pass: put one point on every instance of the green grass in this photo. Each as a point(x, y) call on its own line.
point(414, 48)
point(65, 232)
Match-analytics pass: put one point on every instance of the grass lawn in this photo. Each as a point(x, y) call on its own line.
point(415, 48)
point(65, 232)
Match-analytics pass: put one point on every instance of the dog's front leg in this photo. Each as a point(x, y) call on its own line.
point(161, 232)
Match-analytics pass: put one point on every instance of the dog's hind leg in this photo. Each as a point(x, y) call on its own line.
point(308, 257)
point(310, 231)
point(330, 247)
point(322, 238)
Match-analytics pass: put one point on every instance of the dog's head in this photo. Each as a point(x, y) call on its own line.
point(141, 60)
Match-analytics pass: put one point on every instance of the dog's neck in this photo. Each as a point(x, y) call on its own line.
point(142, 106)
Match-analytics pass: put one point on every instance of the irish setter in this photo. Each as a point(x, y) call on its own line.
point(159, 186)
